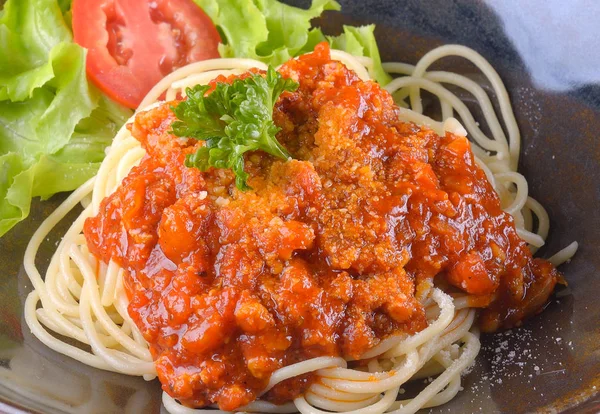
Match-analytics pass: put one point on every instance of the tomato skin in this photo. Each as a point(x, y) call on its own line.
point(132, 44)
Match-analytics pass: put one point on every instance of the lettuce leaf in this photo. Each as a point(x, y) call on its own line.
point(54, 126)
point(273, 32)
point(27, 170)
point(266, 30)
point(360, 41)
point(29, 30)
point(81, 157)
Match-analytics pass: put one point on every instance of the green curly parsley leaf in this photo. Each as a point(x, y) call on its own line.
point(232, 120)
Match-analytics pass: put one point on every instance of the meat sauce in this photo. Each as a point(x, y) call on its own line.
point(326, 255)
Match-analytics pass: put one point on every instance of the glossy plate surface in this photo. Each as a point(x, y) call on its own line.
point(548, 53)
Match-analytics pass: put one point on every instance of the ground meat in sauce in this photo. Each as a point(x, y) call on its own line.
point(322, 257)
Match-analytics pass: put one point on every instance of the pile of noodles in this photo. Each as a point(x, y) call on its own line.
point(84, 299)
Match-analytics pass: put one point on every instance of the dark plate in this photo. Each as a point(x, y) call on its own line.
point(548, 53)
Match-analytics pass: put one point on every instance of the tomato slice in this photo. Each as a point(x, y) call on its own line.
point(132, 44)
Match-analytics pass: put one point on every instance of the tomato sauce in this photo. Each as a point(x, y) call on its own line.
point(326, 255)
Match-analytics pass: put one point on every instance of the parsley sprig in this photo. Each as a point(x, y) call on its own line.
point(233, 119)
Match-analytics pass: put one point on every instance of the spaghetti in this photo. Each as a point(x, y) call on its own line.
point(84, 299)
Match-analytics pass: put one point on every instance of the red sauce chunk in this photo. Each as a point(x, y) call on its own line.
point(323, 256)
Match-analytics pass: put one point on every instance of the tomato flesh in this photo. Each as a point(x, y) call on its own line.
point(132, 44)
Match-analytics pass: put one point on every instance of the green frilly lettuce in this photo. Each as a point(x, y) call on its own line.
point(360, 41)
point(54, 126)
point(273, 32)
